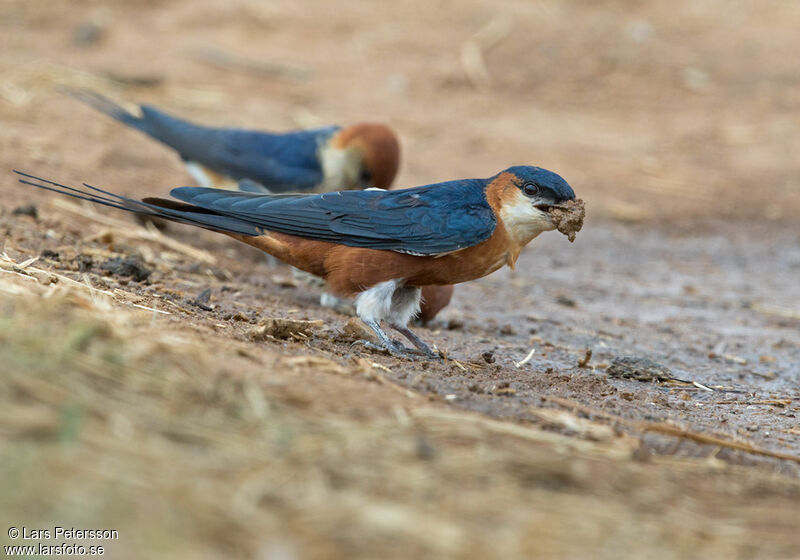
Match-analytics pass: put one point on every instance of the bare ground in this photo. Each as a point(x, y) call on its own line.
point(155, 407)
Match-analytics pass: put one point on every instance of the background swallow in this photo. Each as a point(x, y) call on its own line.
point(323, 159)
point(434, 299)
point(380, 246)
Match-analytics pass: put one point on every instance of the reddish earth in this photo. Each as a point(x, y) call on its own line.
point(676, 124)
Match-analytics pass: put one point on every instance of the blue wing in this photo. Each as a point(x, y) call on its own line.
point(279, 162)
point(429, 220)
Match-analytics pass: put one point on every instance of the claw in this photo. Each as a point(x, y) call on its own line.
point(396, 351)
point(422, 348)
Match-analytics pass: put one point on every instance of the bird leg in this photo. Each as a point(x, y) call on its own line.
point(396, 304)
point(422, 348)
point(387, 344)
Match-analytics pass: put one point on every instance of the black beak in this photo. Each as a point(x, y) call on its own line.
point(547, 206)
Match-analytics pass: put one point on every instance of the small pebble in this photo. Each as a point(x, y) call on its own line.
point(455, 325)
point(507, 330)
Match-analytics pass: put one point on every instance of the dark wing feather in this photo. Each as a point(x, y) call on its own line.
point(429, 220)
point(248, 185)
point(167, 209)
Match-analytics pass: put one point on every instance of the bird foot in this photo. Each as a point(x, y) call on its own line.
point(421, 348)
point(396, 350)
point(424, 352)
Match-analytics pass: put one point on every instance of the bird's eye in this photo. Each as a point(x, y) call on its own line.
point(530, 189)
point(365, 177)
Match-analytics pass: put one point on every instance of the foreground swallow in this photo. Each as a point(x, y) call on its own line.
point(434, 298)
point(322, 160)
point(380, 246)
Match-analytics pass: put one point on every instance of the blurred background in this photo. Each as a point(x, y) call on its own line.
point(652, 111)
point(677, 122)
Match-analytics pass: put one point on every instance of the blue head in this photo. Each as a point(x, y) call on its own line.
point(523, 198)
point(544, 188)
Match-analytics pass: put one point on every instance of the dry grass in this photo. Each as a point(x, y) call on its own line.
point(206, 448)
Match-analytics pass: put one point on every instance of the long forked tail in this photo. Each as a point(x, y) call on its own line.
point(105, 105)
point(157, 207)
point(189, 140)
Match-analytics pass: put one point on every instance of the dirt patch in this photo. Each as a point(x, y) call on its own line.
point(639, 369)
point(129, 267)
point(26, 210)
point(283, 329)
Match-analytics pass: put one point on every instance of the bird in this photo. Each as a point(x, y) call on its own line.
point(379, 246)
point(361, 156)
point(323, 159)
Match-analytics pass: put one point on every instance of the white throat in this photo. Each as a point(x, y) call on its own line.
point(341, 168)
point(523, 221)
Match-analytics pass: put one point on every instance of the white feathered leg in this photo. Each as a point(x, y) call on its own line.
point(396, 304)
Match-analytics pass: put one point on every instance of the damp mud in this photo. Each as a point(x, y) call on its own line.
point(568, 217)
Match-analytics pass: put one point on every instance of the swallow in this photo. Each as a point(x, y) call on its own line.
point(380, 247)
point(325, 159)
point(332, 158)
